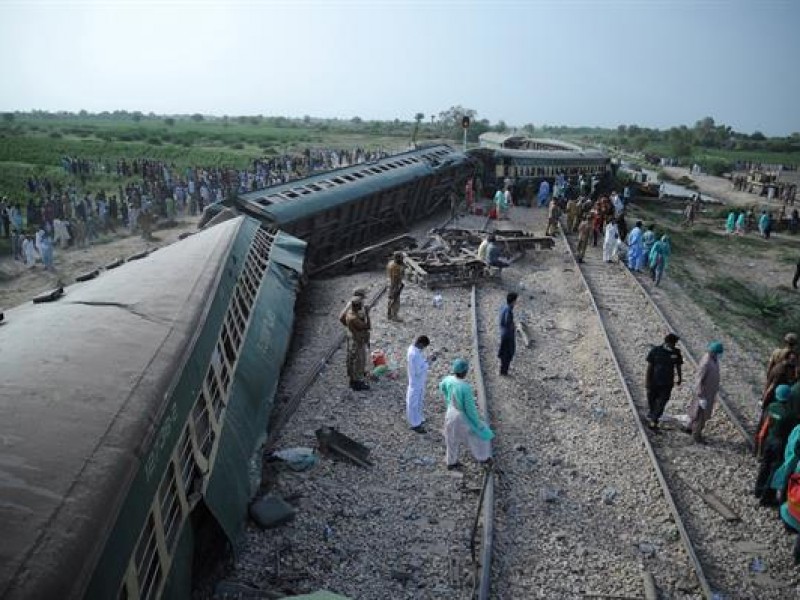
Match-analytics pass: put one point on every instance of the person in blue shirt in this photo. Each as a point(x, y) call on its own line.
point(507, 333)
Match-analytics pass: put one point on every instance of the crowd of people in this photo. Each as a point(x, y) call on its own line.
point(149, 191)
point(777, 444)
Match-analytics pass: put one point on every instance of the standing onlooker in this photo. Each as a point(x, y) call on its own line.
point(395, 270)
point(780, 482)
point(417, 376)
point(358, 326)
point(553, 212)
point(706, 389)
point(648, 239)
point(635, 248)
point(659, 258)
point(610, 240)
point(597, 225)
point(507, 333)
point(544, 193)
point(584, 229)
point(771, 443)
point(664, 363)
point(462, 423)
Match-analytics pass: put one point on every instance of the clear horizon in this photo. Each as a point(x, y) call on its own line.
point(575, 63)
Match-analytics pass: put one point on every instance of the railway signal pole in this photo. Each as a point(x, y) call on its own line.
point(465, 126)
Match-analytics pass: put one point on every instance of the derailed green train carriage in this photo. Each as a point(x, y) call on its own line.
point(341, 211)
point(136, 401)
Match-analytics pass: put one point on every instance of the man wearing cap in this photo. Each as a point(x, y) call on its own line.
point(462, 423)
point(358, 326)
point(771, 443)
point(664, 364)
point(361, 293)
point(780, 354)
point(706, 389)
point(395, 270)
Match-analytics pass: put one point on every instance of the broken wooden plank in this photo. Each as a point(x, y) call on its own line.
point(713, 501)
point(650, 589)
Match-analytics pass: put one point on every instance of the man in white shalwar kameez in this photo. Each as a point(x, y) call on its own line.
point(610, 241)
point(462, 423)
point(417, 377)
point(29, 252)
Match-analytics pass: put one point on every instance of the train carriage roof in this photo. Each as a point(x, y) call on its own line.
point(577, 156)
point(84, 380)
point(286, 203)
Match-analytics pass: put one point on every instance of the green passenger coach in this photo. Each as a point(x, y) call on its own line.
point(135, 403)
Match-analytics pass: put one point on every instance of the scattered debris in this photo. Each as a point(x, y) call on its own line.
point(49, 296)
point(271, 511)
point(525, 333)
point(367, 257)
point(331, 441)
point(88, 276)
point(297, 459)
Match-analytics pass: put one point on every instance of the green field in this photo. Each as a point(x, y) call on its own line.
point(34, 145)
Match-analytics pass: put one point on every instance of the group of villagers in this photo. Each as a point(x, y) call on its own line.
point(605, 218)
point(778, 438)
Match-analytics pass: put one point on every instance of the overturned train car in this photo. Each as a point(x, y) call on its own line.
point(342, 211)
point(526, 162)
point(135, 404)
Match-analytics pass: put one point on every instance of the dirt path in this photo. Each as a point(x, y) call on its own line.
point(19, 283)
point(721, 189)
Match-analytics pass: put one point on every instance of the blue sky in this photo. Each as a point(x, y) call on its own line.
point(650, 63)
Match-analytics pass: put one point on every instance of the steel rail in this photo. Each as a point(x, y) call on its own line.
point(723, 398)
point(687, 541)
point(486, 503)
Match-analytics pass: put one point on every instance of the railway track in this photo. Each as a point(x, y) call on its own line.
point(563, 526)
point(739, 391)
point(707, 488)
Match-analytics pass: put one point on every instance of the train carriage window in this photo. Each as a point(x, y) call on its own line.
point(202, 424)
point(228, 347)
point(189, 471)
point(314, 187)
point(358, 175)
point(170, 507)
point(148, 564)
point(338, 180)
point(290, 194)
point(233, 325)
